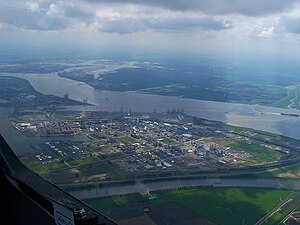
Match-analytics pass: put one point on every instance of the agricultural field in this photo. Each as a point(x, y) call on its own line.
point(215, 206)
point(259, 153)
point(288, 210)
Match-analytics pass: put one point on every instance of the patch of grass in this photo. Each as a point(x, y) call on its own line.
point(234, 128)
point(145, 148)
point(55, 166)
point(274, 219)
point(126, 140)
point(95, 148)
point(82, 161)
point(168, 141)
point(265, 135)
point(218, 141)
point(259, 153)
point(101, 135)
point(92, 146)
point(262, 135)
point(99, 168)
point(36, 167)
point(292, 172)
point(61, 117)
point(228, 206)
point(115, 202)
point(221, 205)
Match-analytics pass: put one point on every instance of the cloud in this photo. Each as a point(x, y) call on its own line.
point(53, 19)
point(125, 26)
point(43, 15)
point(215, 7)
point(76, 12)
point(266, 32)
point(173, 16)
point(32, 6)
point(62, 14)
point(291, 24)
point(183, 24)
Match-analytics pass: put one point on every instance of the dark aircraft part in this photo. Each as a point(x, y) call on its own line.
point(28, 199)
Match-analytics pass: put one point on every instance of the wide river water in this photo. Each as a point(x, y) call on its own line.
point(96, 191)
point(252, 116)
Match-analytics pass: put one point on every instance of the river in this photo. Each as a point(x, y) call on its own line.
point(96, 192)
point(251, 116)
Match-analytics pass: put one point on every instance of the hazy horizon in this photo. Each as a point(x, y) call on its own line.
point(148, 29)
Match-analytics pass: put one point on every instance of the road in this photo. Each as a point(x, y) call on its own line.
point(287, 209)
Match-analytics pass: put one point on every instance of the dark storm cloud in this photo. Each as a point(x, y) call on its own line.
point(243, 7)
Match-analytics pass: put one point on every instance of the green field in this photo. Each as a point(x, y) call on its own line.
point(35, 166)
point(99, 168)
point(168, 141)
point(56, 165)
point(126, 140)
point(101, 136)
point(218, 141)
point(82, 161)
point(222, 205)
point(291, 172)
point(259, 153)
point(274, 219)
point(277, 217)
point(40, 168)
point(95, 171)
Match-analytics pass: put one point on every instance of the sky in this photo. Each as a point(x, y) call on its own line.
point(135, 26)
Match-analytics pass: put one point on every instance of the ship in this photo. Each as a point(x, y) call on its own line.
point(289, 114)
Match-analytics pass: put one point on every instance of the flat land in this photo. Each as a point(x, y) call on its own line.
point(289, 172)
point(206, 81)
point(139, 145)
point(17, 92)
point(219, 206)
